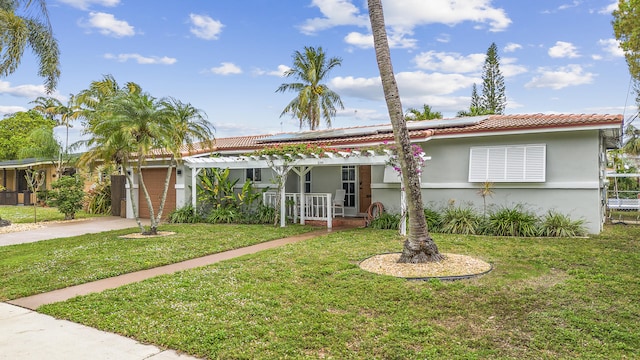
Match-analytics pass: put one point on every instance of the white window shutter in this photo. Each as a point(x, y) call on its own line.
point(536, 160)
point(478, 164)
point(516, 163)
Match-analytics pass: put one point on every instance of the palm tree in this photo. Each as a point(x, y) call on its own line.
point(187, 126)
point(426, 114)
point(419, 246)
point(314, 100)
point(53, 109)
point(17, 30)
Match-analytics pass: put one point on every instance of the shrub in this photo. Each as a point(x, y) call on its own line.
point(224, 215)
point(513, 222)
point(560, 225)
point(434, 220)
point(98, 199)
point(67, 194)
point(457, 220)
point(184, 215)
point(386, 221)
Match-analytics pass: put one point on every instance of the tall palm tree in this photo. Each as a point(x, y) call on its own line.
point(53, 109)
point(18, 28)
point(419, 246)
point(426, 114)
point(188, 126)
point(314, 100)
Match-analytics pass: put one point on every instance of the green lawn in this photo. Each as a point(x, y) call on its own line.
point(27, 269)
point(546, 298)
point(25, 214)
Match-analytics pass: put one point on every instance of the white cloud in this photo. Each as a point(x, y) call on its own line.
point(571, 75)
point(7, 110)
point(108, 25)
point(402, 16)
point(563, 49)
point(609, 8)
point(205, 27)
point(226, 68)
point(142, 59)
point(24, 91)
point(84, 4)
point(511, 47)
point(449, 62)
point(336, 13)
point(410, 13)
point(360, 40)
point(443, 38)
point(611, 47)
point(278, 72)
point(568, 6)
point(396, 40)
point(509, 68)
point(411, 84)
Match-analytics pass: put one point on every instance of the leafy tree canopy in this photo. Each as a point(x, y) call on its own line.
point(15, 132)
point(626, 26)
point(425, 114)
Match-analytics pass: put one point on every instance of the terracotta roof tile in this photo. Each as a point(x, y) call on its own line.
point(492, 123)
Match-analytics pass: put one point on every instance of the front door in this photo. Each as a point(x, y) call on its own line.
point(364, 192)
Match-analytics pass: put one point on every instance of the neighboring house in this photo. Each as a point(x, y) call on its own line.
point(543, 162)
point(14, 184)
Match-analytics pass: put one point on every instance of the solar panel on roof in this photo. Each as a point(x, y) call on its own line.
point(372, 130)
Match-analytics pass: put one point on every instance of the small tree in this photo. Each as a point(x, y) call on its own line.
point(35, 180)
point(67, 194)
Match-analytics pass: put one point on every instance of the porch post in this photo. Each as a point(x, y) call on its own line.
point(194, 177)
point(301, 174)
point(283, 200)
point(329, 209)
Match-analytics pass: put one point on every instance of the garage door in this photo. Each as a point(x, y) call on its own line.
point(154, 180)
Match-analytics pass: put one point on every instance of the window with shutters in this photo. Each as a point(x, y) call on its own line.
point(513, 163)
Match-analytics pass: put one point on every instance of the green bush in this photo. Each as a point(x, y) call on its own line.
point(457, 220)
point(514, 221)
point(434, 220)
point(67, 195)
point(386, 221)
point(560, 225)
point(184, 215)
point(224, 215)
point(98, 199)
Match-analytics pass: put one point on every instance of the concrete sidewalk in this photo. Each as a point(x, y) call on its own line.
point(28, 335)
point(64, 229)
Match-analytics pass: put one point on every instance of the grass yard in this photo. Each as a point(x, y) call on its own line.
point(25, 214)
point(546, 298)
point(28, 269)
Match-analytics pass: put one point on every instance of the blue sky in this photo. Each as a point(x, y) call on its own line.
point(226, 57)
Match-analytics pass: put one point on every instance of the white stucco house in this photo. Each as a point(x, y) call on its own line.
point(541, 161)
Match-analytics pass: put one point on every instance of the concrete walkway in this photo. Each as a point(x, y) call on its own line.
point(29, 335)
point(64, 229)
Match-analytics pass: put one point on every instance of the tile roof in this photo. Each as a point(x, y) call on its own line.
point(355, 136)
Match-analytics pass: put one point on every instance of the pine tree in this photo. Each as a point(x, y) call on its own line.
point(493, 89)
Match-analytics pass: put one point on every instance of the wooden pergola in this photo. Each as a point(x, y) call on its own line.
point(300, 164)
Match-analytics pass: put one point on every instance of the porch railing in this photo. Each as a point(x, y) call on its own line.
point(317, 206)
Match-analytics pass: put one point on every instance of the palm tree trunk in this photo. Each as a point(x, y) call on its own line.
point(153, 229)
point(419, 246)
point(133, 201)
point(165, 191)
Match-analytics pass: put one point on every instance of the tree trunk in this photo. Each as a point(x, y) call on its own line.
point(153, 228)
point(129, 178)
point(165, 191)
point(419, 246)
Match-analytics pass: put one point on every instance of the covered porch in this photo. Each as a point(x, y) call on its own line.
point(301, 206)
